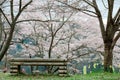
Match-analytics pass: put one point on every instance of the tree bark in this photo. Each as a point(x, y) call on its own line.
point(0, 27)
point(7, 43)
point(108, 57)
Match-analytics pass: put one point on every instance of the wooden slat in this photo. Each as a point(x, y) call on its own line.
point(14, 71)
point(39, 63)
point(36, 60)
point(17, 62)
point(13, 67)
point(62, 71)
point(63, 67)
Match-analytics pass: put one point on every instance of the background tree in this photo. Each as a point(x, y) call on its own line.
point(110, 32)
point(53, 37)
point(1, 23)
point(11, 23)
point(49, 34)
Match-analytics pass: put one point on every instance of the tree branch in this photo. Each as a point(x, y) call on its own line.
point(110, 11)
point(17, 16)
point(89, 14)
point(116, 18)
point(104, 4)
point(2, 2)
point(115, 40)
point(37, 20)
point(89, 3)
point(102, 27)
point(71, 58)
point(63, 24)
point(5, 16)
point(11, 10)
point(80, 9)
point(20, 5)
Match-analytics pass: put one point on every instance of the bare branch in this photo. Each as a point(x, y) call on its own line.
point(89, 14)
point(89, 3)
point(80, 9)
point(5, 16)
point(118, 30)
point(110, 11)
point(20, 4)
point(37, 20)
point(58, 41)
point(115, 40)
point(11, 10)
point(69, 44)
point(116, 18)
point(102, 27)
point(104, 4)
point(63, 24)
point(2, 2)
point(71, 58)
point(17, 16)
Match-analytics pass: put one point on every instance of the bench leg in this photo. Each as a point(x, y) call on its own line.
point(62, 71)
point(13, 69)
point(19, 69)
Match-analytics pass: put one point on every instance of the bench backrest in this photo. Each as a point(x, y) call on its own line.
point(38, 61)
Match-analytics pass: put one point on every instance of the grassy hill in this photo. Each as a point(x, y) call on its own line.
point(92, 76)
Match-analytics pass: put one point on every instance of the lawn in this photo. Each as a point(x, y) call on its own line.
point(92, 76)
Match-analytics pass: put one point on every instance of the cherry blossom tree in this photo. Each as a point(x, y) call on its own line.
point(53, 35)
point(110, 32)
point(11, 21)
point(49, 34)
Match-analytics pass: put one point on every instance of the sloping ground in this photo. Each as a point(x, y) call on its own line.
point(92, 76)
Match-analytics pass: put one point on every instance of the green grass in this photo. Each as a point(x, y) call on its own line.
point(92, 76)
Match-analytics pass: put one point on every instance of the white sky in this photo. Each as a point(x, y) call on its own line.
point(104, 10)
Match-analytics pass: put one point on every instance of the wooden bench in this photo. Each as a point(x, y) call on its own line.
point(16, 63)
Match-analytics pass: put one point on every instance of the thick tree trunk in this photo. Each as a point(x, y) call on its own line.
point(7, 43)
point(108, 57)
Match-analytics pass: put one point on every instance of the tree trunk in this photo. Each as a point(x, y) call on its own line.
point(108, 57)
point(50, 48)
point(7, 43)
point(0, 27)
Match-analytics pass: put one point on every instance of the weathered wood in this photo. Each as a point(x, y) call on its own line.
point(63, 68)
point(17, 62)
point(62, 71)
point(36, 60)
point(38, 63)
point(13, 67)
point(19, 69)
point(14, 71)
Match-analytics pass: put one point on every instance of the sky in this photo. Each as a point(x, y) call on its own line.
point(104, 10)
